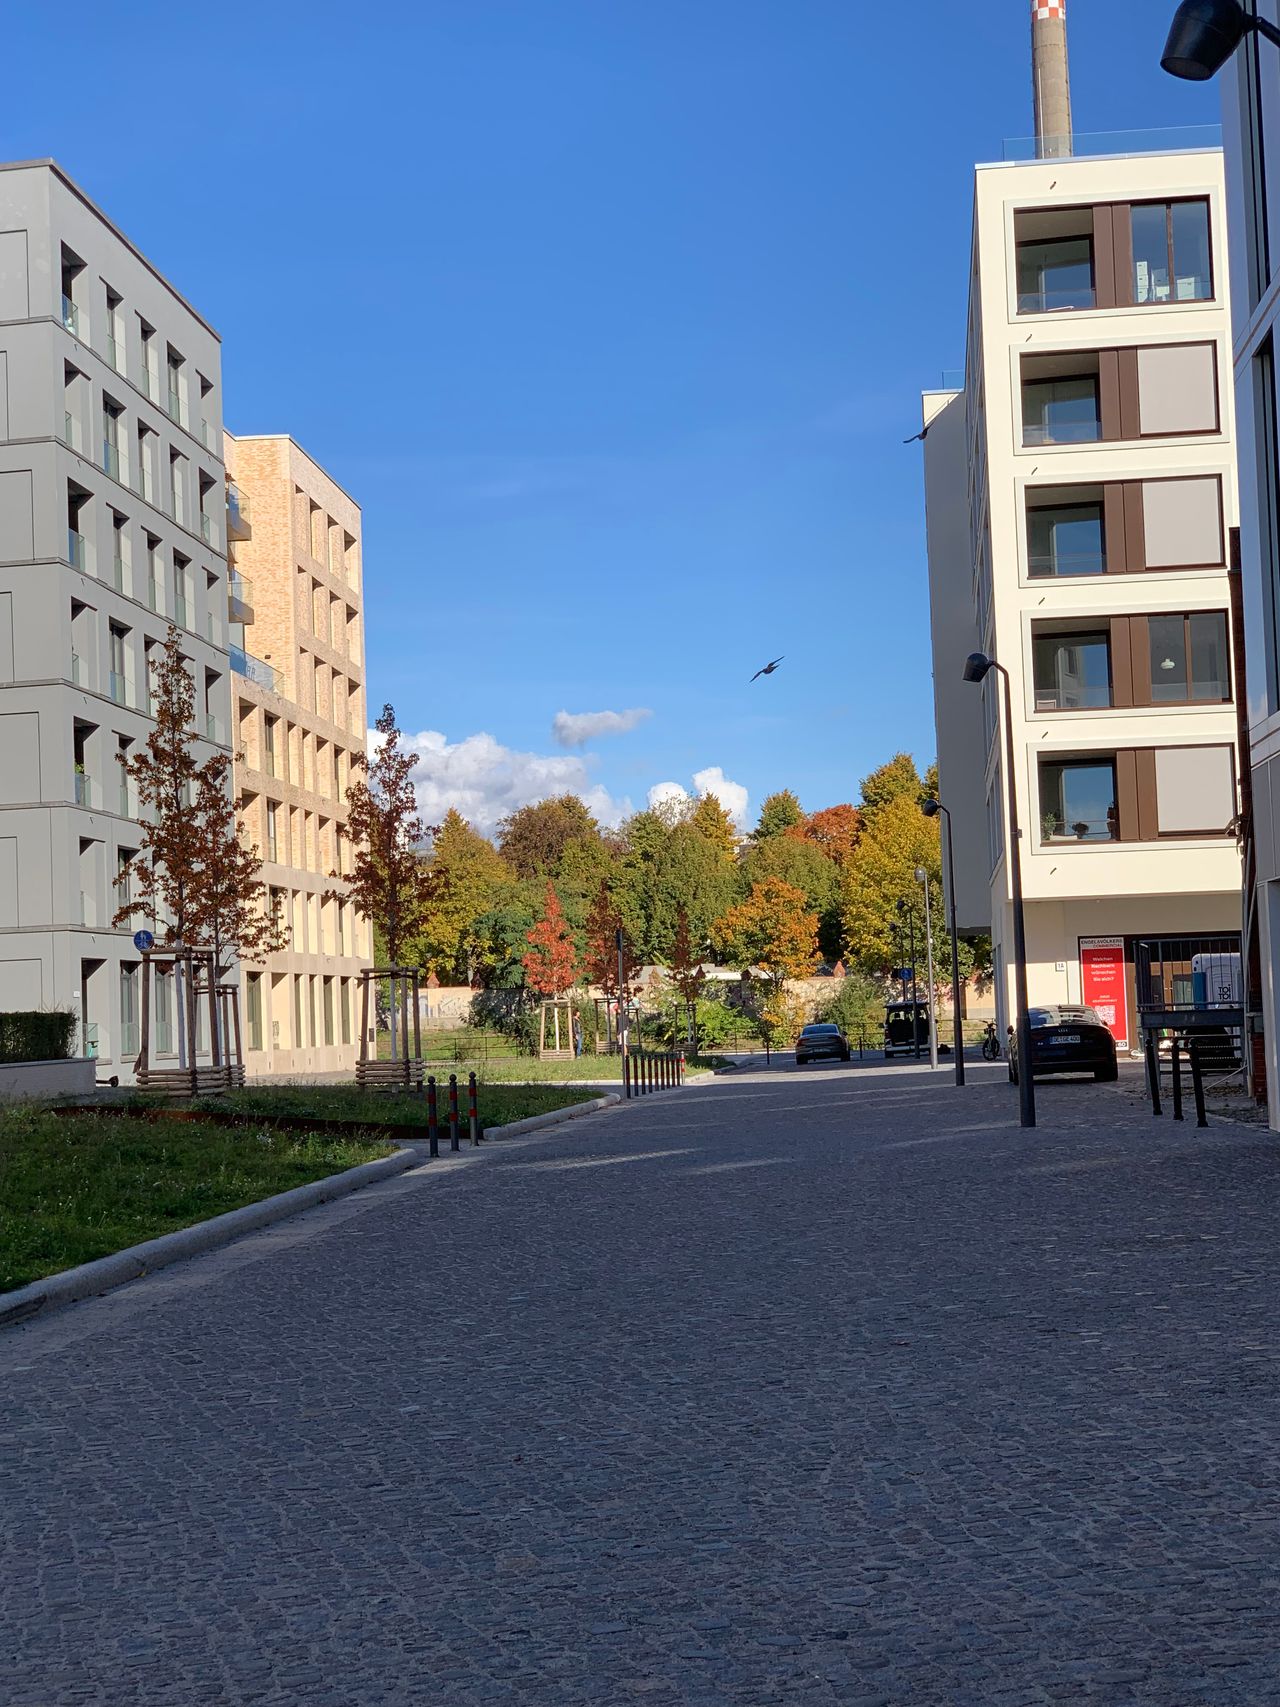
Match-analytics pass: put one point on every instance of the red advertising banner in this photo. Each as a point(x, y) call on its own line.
point(1104, 985)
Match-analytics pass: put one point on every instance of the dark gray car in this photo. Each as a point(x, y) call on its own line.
point(821, 1043)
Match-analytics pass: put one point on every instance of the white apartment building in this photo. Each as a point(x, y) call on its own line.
point(112, 522)
point(1251, 103)
point(1080, 492)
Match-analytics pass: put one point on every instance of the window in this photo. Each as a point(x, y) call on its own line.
point(128, 1010)
point(253, 1005)
point(155, 575)
point(1189, 660)
point(1171, 259)
point(1061, 411)
point(1067, 539)
point(124, 747)
point(124, 878)
point(115, 329)
point(144, 478)
point(269, 745)
point(1078, 800)
point(178, 487)
point(1055, 270)
point(117, 641)
point(112, 439)
point(1072, 670)
point(345, 1005)
point(273, 841)
point(119, 550)
point(327, 1008)
point(297, 1011)
point(183, 591)
point(173, 386)
point(147, 337)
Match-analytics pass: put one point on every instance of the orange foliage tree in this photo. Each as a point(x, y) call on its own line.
point(836, 831)
point(772, 931)
point(551, 963)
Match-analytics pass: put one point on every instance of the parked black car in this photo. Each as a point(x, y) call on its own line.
point(821, 1043)
point(1066, 1040)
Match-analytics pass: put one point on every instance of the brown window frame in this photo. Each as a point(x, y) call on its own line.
point(1140, 629)
point(1129, 299)
point(1137, 801)
point(1123, 526)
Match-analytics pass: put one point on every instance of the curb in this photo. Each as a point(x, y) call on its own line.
point(91, 1279)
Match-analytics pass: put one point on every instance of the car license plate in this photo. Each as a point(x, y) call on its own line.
point(1073, 1038)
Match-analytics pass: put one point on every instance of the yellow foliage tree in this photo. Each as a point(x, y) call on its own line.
point(881, 872)
point(712, 821)
point(773, 930)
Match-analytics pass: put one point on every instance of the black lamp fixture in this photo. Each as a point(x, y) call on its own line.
point(976, 666)
point(1204, 35)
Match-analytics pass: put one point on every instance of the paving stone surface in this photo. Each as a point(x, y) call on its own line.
point(824, 1387)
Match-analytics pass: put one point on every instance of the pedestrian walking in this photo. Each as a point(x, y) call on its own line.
point(577, 1034)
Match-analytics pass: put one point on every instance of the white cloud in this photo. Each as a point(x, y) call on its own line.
point(485, 781)
point(731, 795)
point(575, 729)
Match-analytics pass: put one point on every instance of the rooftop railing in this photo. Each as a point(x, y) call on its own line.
point(1181, 139)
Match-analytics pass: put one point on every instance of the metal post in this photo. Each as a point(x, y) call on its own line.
point(1153, 1074)
point(928, 939)
point(433, 1115)
point(1197, 1083)
point(1177, 1080)
point(915, 997)
point(622, 1016)
point(957, 1020)
point(1026, 1082)
point(453, 1112)
point(626, 1076)
point(473, 1112)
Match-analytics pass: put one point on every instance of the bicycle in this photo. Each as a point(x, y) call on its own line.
point(991, 1043)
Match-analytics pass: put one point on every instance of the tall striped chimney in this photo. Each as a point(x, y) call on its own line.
point(1052, 78)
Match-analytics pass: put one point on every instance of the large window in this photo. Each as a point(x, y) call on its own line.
point(253, 995)
point(1067, 539)
point(1171, 257)
point(1061, 411)
point(1078, 800)
point(1072, 670)
point(1055, 275)
point(1189, 659)
point(128, 1011)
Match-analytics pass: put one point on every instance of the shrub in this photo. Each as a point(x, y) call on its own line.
point(36, 1036)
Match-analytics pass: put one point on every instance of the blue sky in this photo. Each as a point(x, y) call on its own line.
point(612, 315)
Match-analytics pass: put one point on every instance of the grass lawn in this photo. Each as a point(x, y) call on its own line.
point(527, 1069)
point(499, 1104)
point(76, 1188)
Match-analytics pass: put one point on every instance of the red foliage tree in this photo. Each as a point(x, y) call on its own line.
point(601, 962)
point(551, 963)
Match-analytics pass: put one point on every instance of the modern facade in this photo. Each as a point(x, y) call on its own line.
point(297, 654)
point(1251, 103)
point(1081, 490)
point(112, 525)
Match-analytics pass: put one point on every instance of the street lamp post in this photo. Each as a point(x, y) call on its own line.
point(931, 809)
point(922, 877)
point(976, 668)
point(905, 908)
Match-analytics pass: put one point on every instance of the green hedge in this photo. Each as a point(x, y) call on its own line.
point(36, 1037)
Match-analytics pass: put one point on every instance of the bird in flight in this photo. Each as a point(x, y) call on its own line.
point(768, 669)
point(917, 438)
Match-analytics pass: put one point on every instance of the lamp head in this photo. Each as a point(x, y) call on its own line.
point(930, 808)
point(922, 876)
point(976, 666)
point(1203, 36)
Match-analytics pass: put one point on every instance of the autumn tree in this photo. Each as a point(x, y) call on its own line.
point(470, 879)
point(898, 840)
point(390, 882)
point(686, 967)
point(714, 824)
point(551, 961)
point(533, 839)
point(835, 830)
point(781, 812)
point(229, 912)
point(805, 866)
point(773, 931)
point(897, 780)
point(600, 964)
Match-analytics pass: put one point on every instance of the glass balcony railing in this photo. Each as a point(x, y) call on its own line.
point(148, 380)
point(206, 528)
point(153, 594)
point(1067, 563)
point(70, 430)
point(89, 1039)
point(115, 353)
point(212, 728)
point(88, 909)
point(75, 549)
point(117, 574)
point(112, 461)
point(70, 315)
point(84, 789)
point(1054, 828)
point(1061, 432)
point(173, 404)
point(125, 807)
point(240, 590)
point(253, 669)
point(119, 688)
point(76, 669)
point(1183, 139)
point(206, 433)
point(1057, 301)
point(239, 519)
point(180, 611)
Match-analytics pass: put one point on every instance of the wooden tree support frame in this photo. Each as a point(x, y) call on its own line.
point(199, 983)
point(404, 1070)
point(561, 1048)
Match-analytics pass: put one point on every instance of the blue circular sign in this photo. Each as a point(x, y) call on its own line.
point(143, 941)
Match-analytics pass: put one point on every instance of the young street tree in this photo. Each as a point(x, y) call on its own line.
point(390, 882)
point(551, 963)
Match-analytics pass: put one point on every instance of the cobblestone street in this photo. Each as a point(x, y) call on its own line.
point(828, 1386)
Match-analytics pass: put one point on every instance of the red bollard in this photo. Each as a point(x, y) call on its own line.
point(473, 1111)
point(433, 1122)
point(453, 1111)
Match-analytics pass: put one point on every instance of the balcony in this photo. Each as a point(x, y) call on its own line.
point(76, 670)
point(1047, 566)
point(253, 669)
point(84, 789)
point(113, 462)
point(240, 600)
point(206, 528)
point(239, 520)
point(118, 688)
point(70, 315)
point(117, 573)
point(212, 729)
point(75, 549)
